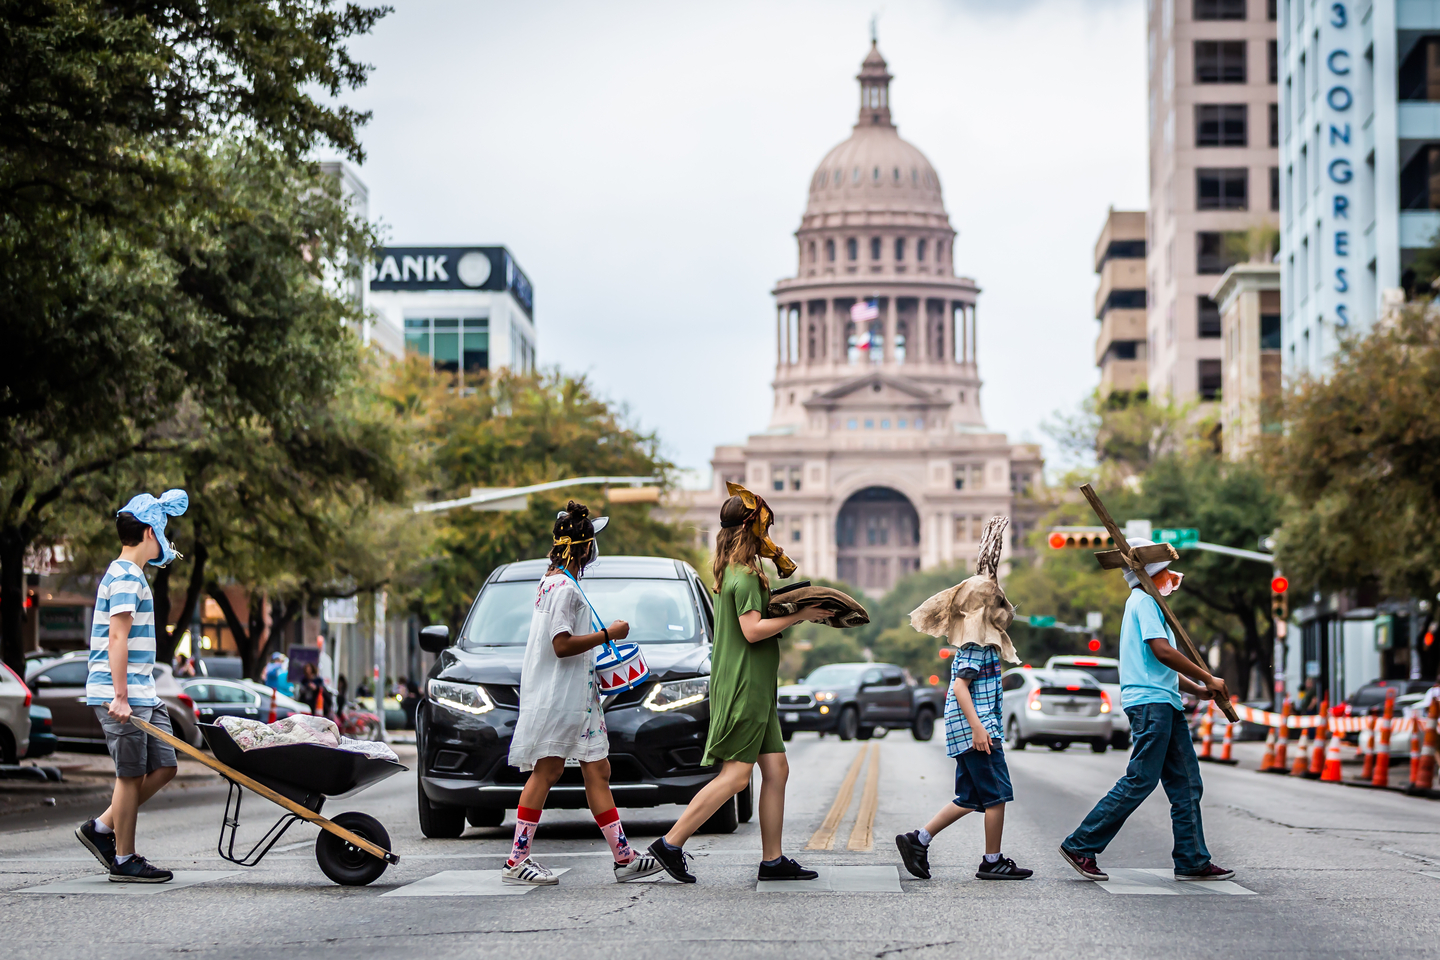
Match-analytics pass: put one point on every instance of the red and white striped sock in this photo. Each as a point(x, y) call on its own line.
point(526, 820)
point(609, 824)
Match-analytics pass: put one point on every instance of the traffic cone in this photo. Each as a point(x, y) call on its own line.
point(1267, 762)
point(1426, 778)
point(1365, 744)
point(1414, 750)
point(1225, 742)
point(1282, 739)
point(1331, 773)
point(1302, 753)
point(273, 694)
point(1382, 752)
point(1207, 730)
point(1317, 746)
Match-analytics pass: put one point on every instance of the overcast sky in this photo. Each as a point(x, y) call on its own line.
point(648, 164)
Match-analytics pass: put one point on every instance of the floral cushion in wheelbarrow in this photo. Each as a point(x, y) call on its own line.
point(254, 735)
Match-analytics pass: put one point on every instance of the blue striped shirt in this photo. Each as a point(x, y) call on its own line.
point(981, 666)
point(123, 589)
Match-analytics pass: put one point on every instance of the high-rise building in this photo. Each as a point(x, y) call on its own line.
point(877, 460)
point(1249, 299)
point(1120, 303)
point(1213, 175)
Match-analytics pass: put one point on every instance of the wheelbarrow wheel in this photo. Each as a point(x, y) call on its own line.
point(348, 865)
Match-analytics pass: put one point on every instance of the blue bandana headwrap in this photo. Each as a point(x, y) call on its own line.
point(153, 512)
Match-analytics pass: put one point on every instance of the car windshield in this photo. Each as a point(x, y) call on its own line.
point(658, 611)
point(1101, 674)
point(833, 674)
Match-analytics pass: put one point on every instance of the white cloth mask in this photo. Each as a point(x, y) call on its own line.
point(1172, 584)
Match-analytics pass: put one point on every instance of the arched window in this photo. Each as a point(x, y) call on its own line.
point(830, 250)
point(874, 248)
point(876, 175)
point(899, 248)
point(856, 176)
point(812, 251)
point(897, 174)
point(939, 251)
point(852, 249)
point(920, 250)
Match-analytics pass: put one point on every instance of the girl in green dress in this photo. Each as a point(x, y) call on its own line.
point(745, 661)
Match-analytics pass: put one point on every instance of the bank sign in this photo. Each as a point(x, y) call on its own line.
point(451, 268)
point(1337, 146)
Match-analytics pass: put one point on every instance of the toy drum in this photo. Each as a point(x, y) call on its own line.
point(620, 667)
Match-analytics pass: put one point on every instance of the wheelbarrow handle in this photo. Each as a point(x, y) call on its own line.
point(235, 776)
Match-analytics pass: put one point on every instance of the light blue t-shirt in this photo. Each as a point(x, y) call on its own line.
point(1143, 678)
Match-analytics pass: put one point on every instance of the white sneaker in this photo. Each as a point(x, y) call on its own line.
point(641, 866)
point(528, 873)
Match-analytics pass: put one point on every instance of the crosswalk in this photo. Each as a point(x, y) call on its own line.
point(1162, 883)
point(464, 883)
point(99, 884)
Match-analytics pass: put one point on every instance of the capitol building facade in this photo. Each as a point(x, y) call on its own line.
point(877, 460)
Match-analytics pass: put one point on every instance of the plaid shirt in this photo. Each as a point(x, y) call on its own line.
point(981, 666)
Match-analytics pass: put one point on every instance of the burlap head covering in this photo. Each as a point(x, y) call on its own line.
point(749, 509)
point(974, 610)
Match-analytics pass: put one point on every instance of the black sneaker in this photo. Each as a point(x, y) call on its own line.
point(102, 845)
point(786, 869)
point(139, 870)
point(672, 859)
point(915, 854)
point(1002, 869)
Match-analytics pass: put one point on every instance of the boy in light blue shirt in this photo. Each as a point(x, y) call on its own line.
point(1152, 674)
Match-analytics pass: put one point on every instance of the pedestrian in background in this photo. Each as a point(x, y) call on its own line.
point(308, 689)
point(121, 685)
point(745, 663)
point(1152, 674)
point(276, 675)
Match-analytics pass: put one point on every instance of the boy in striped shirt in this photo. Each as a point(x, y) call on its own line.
point(121, 685)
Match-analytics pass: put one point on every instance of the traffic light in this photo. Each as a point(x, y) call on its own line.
point(1279, 603)
point(1094, 645)
point(1088, 538)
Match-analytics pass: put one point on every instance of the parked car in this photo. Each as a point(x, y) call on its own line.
point(657, 731)
point(1106, 672)
point(15, 700)
point(395, 718)
point(852, 699)
point(43, 741)
point(226, 668)
point(282, 701)
point(60, 685)
point(1369, 700)
point(232, 698)
point(1056, 708)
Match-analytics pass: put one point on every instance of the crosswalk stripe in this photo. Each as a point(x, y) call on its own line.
point(464, 883)
point(1161, 882)
point(100, 884)
point(824, 838)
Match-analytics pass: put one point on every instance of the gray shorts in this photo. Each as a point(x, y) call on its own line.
point(135, 752)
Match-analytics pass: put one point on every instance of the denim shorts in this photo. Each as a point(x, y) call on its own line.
point(982, 779)
point(134, 751)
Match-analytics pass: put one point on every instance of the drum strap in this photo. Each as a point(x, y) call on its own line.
point(594, 614)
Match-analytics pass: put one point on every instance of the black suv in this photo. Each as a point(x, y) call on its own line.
point(657, 731)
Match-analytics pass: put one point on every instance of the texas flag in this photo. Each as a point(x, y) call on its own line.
point(864, 311)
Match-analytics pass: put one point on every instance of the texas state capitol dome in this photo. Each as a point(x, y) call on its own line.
point(877, 460)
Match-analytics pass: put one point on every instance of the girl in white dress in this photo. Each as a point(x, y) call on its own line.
point(560, 714)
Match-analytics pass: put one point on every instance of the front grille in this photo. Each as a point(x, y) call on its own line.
point(626, 698)
point(623, 769)
point(504, 694)
point(796, 700)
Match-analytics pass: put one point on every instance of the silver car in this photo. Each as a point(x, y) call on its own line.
point(1056, 708)
point(1106, 672)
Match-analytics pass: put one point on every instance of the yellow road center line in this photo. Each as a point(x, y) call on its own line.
point(862, 838)
point(824, 838)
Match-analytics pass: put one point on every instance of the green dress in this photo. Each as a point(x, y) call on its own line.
point(744, 722)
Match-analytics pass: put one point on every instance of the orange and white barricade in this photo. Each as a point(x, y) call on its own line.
point(1381, 777)
point(1302, 750)
point(1207, 730)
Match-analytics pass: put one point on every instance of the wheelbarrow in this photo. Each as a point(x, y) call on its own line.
point(352, 849)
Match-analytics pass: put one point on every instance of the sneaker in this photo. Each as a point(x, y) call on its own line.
point(915, 854)
point(672, 860)
point(528, 873)
point(1085, 866)
point(139, 870)
point(1207, 872)
point(786, 869)
point(642, 866)
point(1002, 869)
point(102, 845)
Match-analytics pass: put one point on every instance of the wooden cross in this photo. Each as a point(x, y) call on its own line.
point(1135, 558)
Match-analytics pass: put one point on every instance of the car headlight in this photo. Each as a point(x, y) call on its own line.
point(465, 697)
point(825, 696)
point(676, 694)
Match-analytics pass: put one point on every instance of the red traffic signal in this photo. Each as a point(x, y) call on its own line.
point(946, 653)
point(1094, 646)
point(1057, 540)
point(1279, 585)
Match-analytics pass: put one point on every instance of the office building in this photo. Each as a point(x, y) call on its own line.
point(1120, 347)
point(1213, 175)
point(1249, 299)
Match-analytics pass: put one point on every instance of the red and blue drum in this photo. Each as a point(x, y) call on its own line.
point(620, 667)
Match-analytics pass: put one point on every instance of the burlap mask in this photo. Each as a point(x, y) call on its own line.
point(758, 516)
point(974, 610)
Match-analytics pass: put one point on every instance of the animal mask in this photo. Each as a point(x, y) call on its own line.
point(760, 518)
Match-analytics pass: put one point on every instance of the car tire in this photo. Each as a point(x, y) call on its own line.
point(787, 735)
point(7, 747)
point(864, 733)
point(484, 816)
point(1120, 741)
point(849, 725)
point(347, 865)
point(924, 726)
point(745, 802)
point(1099, 746)
point(724, 820)
point(437, 821)
point(1013, 740)
point(1060, 745)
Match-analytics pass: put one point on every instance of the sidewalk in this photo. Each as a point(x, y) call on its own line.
point(88, 777)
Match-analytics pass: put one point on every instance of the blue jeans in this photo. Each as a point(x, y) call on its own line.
point(1164, 754)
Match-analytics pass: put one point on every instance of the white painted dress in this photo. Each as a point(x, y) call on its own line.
point(560, 713)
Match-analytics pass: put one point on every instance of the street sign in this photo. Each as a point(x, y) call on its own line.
point(341, 610)
point(1094, 619)
point(1177, 536)
point(1042, 621)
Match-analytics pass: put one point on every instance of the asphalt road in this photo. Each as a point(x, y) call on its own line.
point(1321, 871)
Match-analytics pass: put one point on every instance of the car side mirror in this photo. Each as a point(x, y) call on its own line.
point(434, 638)
point(43, 681)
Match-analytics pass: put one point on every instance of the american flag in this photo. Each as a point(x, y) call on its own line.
point(864, 311)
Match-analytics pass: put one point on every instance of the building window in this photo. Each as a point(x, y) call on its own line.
point(852, 249)
point(1269, 331)
point(874, 248)
point(812, 251)
point(920, 250)
point(1221, 188)
point(851, 424)
point(1220, 125)
point(1207, 313)
point(1272, 53)
point(1420, 73)
point(1420, 181)
point(1215, 250)
point(1219, 61)
point(1275, 188)
point(960, 476)
point(830, 250)
point(1209, 371)
point(1274, 124)
point(1122, 300)
point(899, 249)
point(456, 344)
point(1270, 11)
point(1219, 9)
